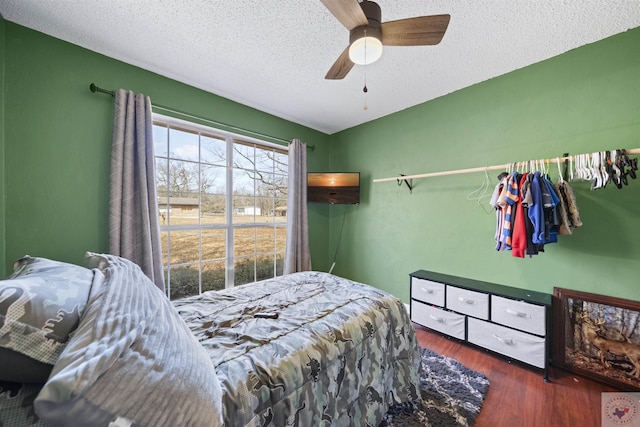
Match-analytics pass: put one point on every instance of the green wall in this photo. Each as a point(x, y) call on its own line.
point(56, 147)
point(2, 156)
point(58, 137)
point(583, 101)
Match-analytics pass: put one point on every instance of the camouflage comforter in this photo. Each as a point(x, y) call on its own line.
point(307, 349)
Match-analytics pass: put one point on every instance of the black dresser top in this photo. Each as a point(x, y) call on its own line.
point(492, 288)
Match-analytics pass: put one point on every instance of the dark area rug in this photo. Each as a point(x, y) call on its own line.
point(452, 395)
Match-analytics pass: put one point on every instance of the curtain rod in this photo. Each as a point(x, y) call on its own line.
point(480, 169)
point(95, 89)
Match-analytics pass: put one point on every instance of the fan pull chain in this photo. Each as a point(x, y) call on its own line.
point(364, 89)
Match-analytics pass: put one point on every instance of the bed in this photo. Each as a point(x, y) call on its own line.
point(306, 349)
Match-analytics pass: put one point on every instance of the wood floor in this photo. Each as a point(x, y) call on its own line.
point(518, 395)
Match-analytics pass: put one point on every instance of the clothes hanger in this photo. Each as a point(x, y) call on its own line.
point(596, 178)
point(630, 165)
point(584, 167)
point(578, 166)
point(483, 191)
point(617, 169)
point(605, 168)
point(570, 168)
point(545, 167)
point(560, 177)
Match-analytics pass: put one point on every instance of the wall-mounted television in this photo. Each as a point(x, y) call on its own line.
point(333, 187)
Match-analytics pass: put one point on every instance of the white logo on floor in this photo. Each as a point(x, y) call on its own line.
point(620, 409)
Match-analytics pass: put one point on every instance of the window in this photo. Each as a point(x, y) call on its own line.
point(222, 201)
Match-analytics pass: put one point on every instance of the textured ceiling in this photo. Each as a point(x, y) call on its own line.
point(273, 54)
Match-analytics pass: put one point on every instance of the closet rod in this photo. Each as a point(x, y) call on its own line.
point(479, 169)
point(93, 88)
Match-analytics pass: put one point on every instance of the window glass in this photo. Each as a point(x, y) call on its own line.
point(214, 150)
point(222, 202)
point(184, 145)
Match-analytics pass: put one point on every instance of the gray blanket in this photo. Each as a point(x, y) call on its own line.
point(306, 349)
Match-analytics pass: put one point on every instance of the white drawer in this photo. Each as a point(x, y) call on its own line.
point(515, 344)
point(519, 314)
point(427, 291)
point(437, 319)
point(473, 303)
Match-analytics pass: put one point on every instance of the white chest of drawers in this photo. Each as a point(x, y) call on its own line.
point(513, 322)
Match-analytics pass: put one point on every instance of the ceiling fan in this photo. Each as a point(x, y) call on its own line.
point(368, 33)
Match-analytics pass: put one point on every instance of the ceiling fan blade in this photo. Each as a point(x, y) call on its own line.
point(419, 31)
point(341, 67)
point(348, 12)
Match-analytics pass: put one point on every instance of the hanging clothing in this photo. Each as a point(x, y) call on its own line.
point(527, 200)
point(536, 212)
point(570, 215)
point(519, 236)
point(531, 212)
point(551, 217)
point(574, 213)
point(497, 192)
point(510, 200)
point(565, 226)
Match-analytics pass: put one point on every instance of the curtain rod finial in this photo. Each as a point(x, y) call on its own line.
point(95, 89)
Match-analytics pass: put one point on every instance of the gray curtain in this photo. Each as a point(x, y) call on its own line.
point(134, 231)
point(297, 255)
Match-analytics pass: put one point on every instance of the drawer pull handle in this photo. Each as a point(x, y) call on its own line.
point(507, 341)
point(437, 319)
point(466, 301)
point(517, 313)
point(428, 291)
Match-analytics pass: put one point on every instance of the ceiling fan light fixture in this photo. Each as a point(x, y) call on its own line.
point(365, 44)
point(363, 19)
point(365, 50)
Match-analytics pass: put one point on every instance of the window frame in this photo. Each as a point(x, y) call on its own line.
point(229, 226)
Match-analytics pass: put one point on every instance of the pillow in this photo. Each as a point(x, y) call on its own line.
point(40, 306)
point(131, 360)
